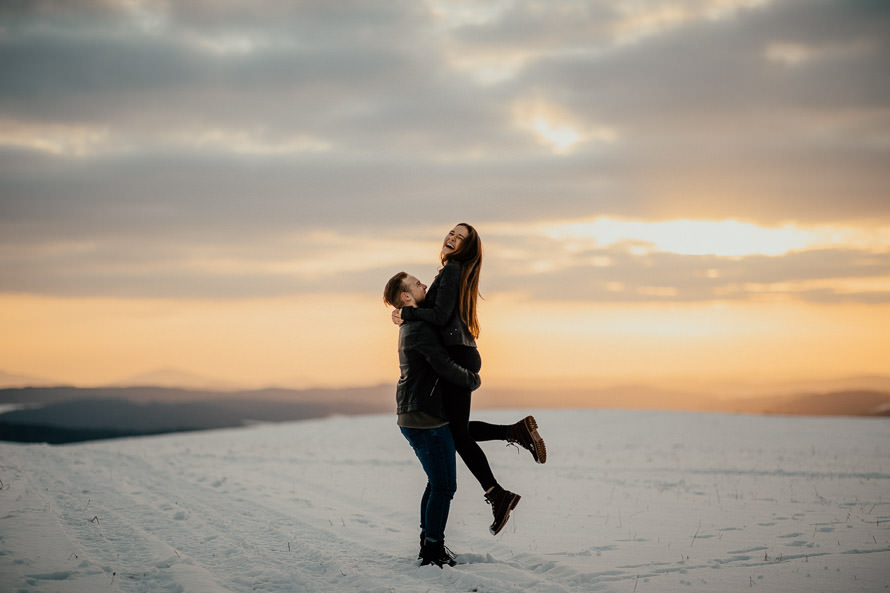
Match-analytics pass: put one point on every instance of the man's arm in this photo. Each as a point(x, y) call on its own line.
point(427, 343)
point(447, 295)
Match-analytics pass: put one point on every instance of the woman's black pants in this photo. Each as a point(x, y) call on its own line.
point(466, 433)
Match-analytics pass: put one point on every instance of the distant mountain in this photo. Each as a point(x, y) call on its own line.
point(171, 377)
point(796, 388)
point(11, 380)
point(99, 418)
point(67, 414)
point(837, 403)
point(43, 395)
point(854, 402)
point(70, 414)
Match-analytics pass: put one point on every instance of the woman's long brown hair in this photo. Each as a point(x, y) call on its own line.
point(469, 256)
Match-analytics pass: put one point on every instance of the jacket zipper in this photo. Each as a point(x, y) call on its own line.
point(433, 390)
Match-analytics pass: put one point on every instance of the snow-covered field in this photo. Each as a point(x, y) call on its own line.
point(628, 501)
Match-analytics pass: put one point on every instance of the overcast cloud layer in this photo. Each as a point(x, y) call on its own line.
point(229, 149)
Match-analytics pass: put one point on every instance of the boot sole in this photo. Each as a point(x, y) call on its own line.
point(497, 529)
point(540, 454)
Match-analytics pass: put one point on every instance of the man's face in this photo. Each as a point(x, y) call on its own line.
point(415, 288)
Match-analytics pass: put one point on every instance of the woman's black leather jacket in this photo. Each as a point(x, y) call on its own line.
point(440, 308)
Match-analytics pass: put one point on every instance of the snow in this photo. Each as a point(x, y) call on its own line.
point(628, 501)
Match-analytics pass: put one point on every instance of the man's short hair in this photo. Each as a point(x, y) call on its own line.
point(394, 289)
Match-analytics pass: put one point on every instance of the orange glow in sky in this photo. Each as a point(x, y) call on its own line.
point(332, 340)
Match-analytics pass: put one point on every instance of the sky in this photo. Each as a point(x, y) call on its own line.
point(667, 191)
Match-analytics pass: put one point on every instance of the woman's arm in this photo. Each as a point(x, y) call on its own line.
point(427, 342)
point(447, 294)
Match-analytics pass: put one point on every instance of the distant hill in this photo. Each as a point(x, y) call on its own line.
point(11, 380)
point(172, 377)
point(640, 397)
point(838, 403)
point(70, 414)
point(149, 393)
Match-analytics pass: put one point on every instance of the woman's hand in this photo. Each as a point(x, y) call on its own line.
point(397, 316)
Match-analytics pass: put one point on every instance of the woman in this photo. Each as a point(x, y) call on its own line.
point(450, 304)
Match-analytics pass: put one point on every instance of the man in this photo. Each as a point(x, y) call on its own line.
point(424, 365)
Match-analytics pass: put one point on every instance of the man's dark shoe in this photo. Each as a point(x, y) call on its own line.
point(502, 502)
point(525, 434)
point(436, 553)
point(423, 540)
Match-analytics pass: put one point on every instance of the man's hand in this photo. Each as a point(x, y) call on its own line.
point(397, 316)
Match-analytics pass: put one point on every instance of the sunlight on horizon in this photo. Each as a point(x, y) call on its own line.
point(725, 238)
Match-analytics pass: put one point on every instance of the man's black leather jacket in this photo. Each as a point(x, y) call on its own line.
point(424, 364)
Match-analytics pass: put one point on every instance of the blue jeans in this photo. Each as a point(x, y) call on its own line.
point(434, 448)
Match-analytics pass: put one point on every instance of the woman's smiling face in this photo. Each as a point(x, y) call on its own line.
point(454, 239)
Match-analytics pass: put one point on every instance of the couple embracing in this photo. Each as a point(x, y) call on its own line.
point(439, 365)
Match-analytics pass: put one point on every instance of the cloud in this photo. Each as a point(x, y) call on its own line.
point(137, 133)
point(538, 267)
point(622, 273)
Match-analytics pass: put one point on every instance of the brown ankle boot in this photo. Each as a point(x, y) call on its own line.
point(525, 434)
point(502, 502)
